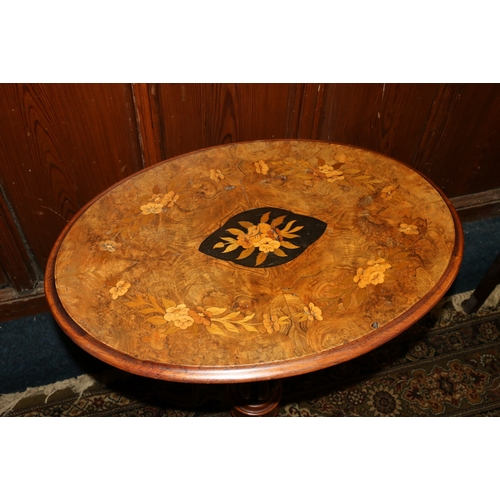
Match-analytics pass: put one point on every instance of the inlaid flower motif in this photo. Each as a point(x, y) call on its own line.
point(331, 174)
point(108, 246)
point(216, 175)
point(179, 315)
point(270, 238)
point(376, 277)
point(270, 323)
point(374, 274)
point(267, 245)
point(408, 228)
point(313, 312)
point(216, 320)
point(169, 199)
point(151, 208)
point(260, 231)
point(261, 167)
point(244, 241)
point(201, 316)
point(388, 192)
point(121, 288)
point(166, 200)
point(378, 263)
point(265, 228)
point(336, 176)
point(359, 277)
point(325, 168)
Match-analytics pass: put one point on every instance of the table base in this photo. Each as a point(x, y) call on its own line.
point(255, 399)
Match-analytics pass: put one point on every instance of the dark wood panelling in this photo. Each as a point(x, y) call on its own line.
point(435, 127)
point(307, 106)
point(18, 268)
point(60, 145)
point(389, 118)
point(195, 116)
point(449, 132)
point(3, 279)
point(148, 122)
point(460, 150)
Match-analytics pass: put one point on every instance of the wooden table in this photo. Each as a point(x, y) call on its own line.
point(251, 262)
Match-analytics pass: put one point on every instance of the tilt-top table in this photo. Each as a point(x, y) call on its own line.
point(252, 262)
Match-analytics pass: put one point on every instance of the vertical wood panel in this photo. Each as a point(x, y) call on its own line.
point(60, 145)
point(18, 269)
point(148, 122)
point(389, 118)
point(461, 148)
point(309, 114)
point(195, 116)
point(4, 282)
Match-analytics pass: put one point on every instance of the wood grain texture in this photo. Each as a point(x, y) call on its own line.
point(255, 399)
point(460, 149)
point(148, 122)
point(127, 282)
point(60, 145)
point(389, 118)
point(195, 116)
point(4, 282)
point(449, 132)
point(14, 304)
point(18, 270)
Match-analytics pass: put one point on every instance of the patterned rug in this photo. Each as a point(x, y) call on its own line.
point(448, 364)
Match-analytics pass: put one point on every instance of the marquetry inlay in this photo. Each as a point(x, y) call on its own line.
point(255, 253)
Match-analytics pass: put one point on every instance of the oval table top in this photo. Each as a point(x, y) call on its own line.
point(253, 261)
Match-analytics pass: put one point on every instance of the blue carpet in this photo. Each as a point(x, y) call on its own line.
point(481, 247)
point(34, 351)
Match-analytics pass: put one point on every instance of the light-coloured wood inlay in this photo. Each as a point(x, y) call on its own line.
point(129, 271)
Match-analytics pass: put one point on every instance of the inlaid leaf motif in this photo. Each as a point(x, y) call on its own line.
point(278, 221)
point(214, 329)
point(246, 253)
point(261, 258)
point(180, 317)
point(157, 320)
point(216, 310)
point(287, 244)
point(280, 253)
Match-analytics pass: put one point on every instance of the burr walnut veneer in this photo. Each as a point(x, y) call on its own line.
point(251, 262)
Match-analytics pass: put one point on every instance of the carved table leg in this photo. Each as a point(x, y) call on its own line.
point(255, 399)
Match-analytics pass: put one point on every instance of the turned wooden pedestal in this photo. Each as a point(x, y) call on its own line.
point(253, 262)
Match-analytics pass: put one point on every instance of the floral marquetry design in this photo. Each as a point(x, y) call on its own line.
point(170, 317)
point(408, 228)
point(275, 236)
point(121, 288)
point(258, 260)
point(373, 274)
